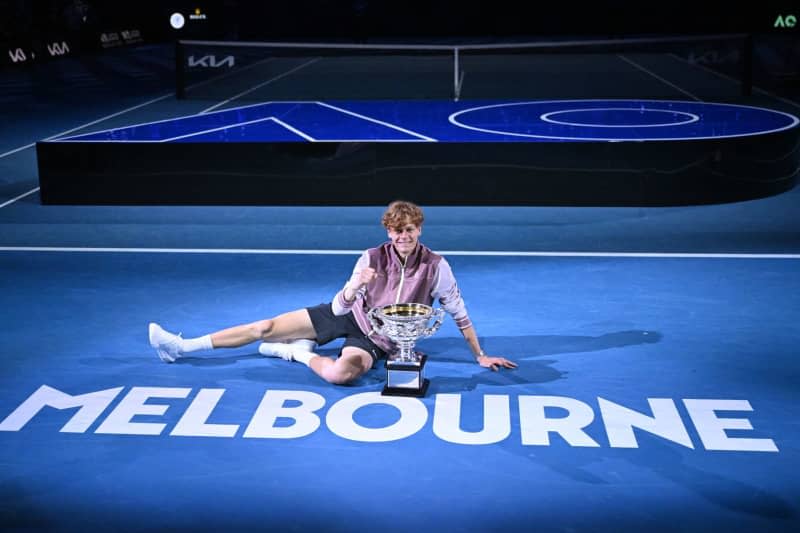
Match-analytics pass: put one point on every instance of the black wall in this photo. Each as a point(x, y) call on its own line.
point(22, 20)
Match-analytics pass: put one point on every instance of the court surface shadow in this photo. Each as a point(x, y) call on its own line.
point(529, 352)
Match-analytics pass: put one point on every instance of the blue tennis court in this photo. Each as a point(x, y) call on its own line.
point(696, 353)
point(473, 121)
point(656, 346)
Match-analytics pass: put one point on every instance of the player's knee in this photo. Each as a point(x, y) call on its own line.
point(263, 328)
point(336, 376)
point(340, 374)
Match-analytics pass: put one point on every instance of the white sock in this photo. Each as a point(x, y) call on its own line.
point(303, 356)
point(300, 350)
point(196, 344)
point(303, 350)
point(307, 345)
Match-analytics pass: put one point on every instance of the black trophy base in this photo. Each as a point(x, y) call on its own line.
point(411, 377)
point(405, 391)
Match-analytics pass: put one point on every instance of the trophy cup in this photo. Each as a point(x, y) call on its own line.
point(404, 324)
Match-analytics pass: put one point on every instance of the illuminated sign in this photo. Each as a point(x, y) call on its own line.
point(17, 55)
point(211, 61)
point(177, 21)
point(197, 15)
point(109, 39)
point(57, 49)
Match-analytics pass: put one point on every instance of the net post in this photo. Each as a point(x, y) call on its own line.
point(456, 69)
point(180, 61)
point(747, 65)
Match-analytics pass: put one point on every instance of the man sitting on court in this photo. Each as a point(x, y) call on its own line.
point(400, 270)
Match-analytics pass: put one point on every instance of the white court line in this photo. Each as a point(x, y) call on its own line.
point(9, 202)
point(281, 251)
point(236, 125)
point(656, 76)
point(453, 119)
point(23, 195)
point(260, 104)
point(193, 115)
point(734, 80)
point(273, 119)
point(92, 123)
point(15, 150)
point(227, 75)
point(279, 76)
point(294, 130)
point(376, 121)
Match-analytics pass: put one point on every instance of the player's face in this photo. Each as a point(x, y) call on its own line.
point(405, 238)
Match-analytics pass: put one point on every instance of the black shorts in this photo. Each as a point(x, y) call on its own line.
point(329, 326)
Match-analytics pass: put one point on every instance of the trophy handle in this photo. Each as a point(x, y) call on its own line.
point(438, 315)
point(372, 315)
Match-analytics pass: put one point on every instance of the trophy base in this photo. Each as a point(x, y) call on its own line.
point(404, 391)
point(406, 378)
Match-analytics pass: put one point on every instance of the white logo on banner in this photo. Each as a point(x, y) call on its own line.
point(58, 49)
point(211, 61)
point(18, 55)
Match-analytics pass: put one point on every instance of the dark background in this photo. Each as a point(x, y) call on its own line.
point(22, 22)
point(32, 32)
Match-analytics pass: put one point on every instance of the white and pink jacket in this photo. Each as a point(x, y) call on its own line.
point(422, 278)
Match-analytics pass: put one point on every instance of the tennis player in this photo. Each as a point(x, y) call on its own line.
point(402, 270)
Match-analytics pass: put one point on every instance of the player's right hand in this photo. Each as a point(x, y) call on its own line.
point(366, 276)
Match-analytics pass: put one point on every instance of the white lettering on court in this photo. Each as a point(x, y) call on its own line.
point(712, 429)
point(496, 420)
point(119, 422)
point(193, 422)
point(413, 416)
point(291, 414)
point(536, 427)
point(271, 408)
point(91, 405)
point(666, 422)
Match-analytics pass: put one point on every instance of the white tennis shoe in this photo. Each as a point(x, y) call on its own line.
point(167, 345)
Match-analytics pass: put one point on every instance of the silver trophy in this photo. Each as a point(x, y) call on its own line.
point(404, 324)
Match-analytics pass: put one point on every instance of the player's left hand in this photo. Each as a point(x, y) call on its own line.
point(488, 361)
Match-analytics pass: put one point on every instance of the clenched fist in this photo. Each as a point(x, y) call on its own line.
point(361, 281)
point(365, 276)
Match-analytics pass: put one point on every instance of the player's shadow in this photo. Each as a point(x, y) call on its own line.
point(529, 352)
point(223, 359)
point(665, 461)
point(732, 492)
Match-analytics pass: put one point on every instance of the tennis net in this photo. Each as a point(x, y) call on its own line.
point(702, 66)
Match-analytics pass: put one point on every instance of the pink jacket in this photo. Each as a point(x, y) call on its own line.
point(423, 278)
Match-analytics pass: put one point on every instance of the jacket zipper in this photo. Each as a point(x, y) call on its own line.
point(402, 280)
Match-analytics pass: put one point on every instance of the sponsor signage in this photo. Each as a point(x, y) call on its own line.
point(111, 39)
point(27, 53)
point(18, 55)
point(210, 61)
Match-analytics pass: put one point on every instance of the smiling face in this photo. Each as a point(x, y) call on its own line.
point(404, 238)
point(403, 223)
